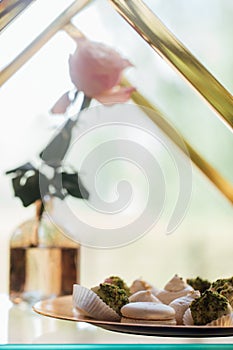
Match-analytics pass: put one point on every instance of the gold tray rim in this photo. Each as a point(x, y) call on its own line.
point(62, 308)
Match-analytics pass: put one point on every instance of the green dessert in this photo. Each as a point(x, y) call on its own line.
point(224, 286)
point(117, 281)
point(209, 307)
point(199, 284)
point(112, 295)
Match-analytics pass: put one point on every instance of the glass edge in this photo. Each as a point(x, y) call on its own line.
point(164, 346)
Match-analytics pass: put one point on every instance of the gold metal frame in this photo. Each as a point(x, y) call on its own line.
point(163, 41)
point(144, 21)
point(10, 9)
point(58, 24)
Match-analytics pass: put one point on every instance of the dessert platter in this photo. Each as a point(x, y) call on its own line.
point(62, 308)
point(137, 310)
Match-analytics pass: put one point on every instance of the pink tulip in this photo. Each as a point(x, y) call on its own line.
point(96, 69)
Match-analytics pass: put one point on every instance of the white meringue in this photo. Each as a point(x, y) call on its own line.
point(144, 296)
point(180, 305)
point(174, 289)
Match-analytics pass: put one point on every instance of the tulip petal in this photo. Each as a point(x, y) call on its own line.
point(61, 105)
point(116, 95)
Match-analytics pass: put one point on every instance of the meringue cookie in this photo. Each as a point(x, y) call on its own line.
point(180, 305)
point(140, 284)
point(171, 322)
point(174, 289)
point(143, 296)
point(155, 312)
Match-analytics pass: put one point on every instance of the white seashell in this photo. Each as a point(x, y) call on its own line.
point(89, 304)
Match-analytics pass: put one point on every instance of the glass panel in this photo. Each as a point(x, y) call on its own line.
point(10, 9)
point(198, 246)
point(167, 89)
point(18, 35)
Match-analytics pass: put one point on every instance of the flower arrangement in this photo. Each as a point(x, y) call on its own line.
point(95, 71)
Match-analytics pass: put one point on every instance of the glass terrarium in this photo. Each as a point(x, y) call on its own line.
point(38, 248)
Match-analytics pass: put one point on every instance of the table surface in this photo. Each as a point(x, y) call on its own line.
point(19, 324)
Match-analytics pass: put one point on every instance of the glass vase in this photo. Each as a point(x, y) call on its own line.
point(44, 263)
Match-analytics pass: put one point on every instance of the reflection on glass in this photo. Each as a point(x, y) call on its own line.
point(43, 262)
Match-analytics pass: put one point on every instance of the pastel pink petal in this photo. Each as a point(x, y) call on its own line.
point(61, 105)
point(95, 68)
point(116, 95)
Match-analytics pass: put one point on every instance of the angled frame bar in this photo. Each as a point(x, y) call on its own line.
point(62, 22)
point(42, 39)
point(161, 121)
point(153, 31)
point(9, 10)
